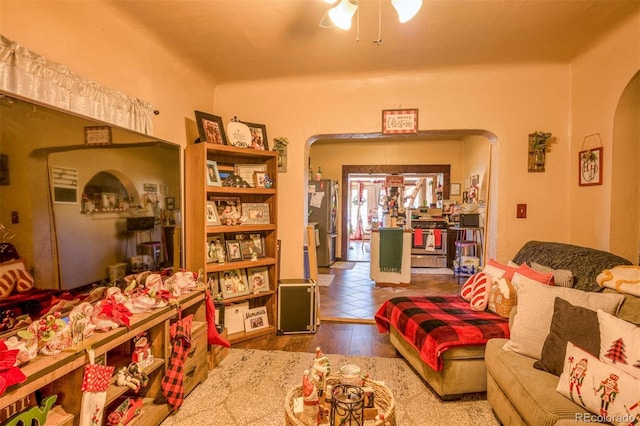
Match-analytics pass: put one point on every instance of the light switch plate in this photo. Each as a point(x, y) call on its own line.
point(521, 211)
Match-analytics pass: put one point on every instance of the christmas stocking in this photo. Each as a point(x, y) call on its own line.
point(172, 386)
point(213, 337)
point(94, 387)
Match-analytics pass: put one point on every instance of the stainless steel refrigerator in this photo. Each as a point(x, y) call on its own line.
point(323, 209)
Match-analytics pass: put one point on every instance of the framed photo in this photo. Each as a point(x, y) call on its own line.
point(399, 121)
point(259, 279)
point(251, 245)
point(109, 201)
point(234, 252)
point(455, 189)
point(247, 171)
point(258, 136)
point(212, 284)
point(233, 283)
point(213, 175)
point(255, 213)
point(211, 213)
point(475, 180)
point(216, 248)
point(256, 318)
point(210, 128)
point(170, 203)
point(590, 170)
point(228, 209)
point(259, 179)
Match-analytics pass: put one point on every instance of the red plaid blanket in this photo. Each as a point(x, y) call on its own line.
point(433, 324)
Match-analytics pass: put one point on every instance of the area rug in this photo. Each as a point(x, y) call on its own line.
point(249, 387)
point(431, 271)
point(324, 280)
point(343, 265)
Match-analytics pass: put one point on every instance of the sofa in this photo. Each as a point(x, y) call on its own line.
point(520, 393)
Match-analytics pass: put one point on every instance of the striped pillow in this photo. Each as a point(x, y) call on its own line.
point(480, 293)
point(14, 275)
point(7, 282)
point(467, 287)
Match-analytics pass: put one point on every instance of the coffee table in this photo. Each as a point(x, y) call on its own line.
point(384, 402)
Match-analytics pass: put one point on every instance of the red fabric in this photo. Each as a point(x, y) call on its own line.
point(96, 378)
point(116, 311)
point(508, 270)
point(480, 292)
point(437, 234)
point(417, 237)
point(213, 337)
point(9, 375)
point(172, 382)
point(545, 278)
point(434, 324)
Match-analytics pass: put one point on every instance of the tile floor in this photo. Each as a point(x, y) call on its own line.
point(354, 297)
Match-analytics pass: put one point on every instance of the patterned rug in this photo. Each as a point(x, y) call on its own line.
point(431, 271)
point(343, 265)
point(249, 387)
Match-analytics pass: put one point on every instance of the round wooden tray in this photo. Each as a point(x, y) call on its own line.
point(384, 401)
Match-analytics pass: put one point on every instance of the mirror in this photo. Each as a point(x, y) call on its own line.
point(78, 203)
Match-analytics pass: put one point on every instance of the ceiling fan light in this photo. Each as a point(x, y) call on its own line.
point(406, 9)
point(330, 1)
point(342, 14)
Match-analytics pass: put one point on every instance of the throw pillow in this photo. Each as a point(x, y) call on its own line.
point(498, 270)
point(519, 280)
point(601, 388)
point(561, 277)
point(467, 287)
point(541, 277)
point(569, 324)
point(619, 343)
point(532, 321)
point(15, 271)
point(502, 298)
point(480, 293)
point(625, 279)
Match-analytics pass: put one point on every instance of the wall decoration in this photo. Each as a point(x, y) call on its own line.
point(97, 135)
point(399, 121)
point(280, 146)
point(590, 167)
point(455, 189)
point(539, 143)
point(210, 128)
point(64, 182)
point(170, 203)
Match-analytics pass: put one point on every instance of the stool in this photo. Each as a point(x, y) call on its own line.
point(153, 249)
point(464, 248)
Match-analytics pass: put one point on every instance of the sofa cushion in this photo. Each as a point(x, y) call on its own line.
point(532, 320)
point(585, 263)
point(480, 293)
point(530, 391)
point(601, 388)
point(541, 277)
point(619, 343)
point(561, 277)
point(569, 324)
point(502, 297)
point(498, 270)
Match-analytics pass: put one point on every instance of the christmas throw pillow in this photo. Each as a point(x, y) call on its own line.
point(619, 343)
point(480, 293)
point(467, 287)
point(608, 392)
point(13, 274)
point(502, 297)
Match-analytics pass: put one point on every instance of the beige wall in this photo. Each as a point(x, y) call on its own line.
point(510, 101)
point(599, 78)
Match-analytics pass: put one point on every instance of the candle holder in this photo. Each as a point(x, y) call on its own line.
point(347, 406)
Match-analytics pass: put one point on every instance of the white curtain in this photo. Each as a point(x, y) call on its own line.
point(33, 76)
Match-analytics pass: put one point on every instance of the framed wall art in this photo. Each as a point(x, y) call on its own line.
point(233, 283)
point(97, 135)
point(455, 189)
point(399, 121)
point(258, 136)
point(590, 167)
point(210, 128)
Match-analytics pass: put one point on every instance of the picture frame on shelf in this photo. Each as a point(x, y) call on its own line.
point(590, 170)
point(259, 179)
point(233, 283)
point(255, 213)
point(247, 171)
point(210, 128)
point(216, 250)
point(256, 319)
point(229, 210)
point(211, 214)
point(259, 139)
point(213, 175)
point(252, 245)
point(259, 279)
point(212, 283)
point(234, 251)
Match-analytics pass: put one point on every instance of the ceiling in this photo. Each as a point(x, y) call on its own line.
point(260, 39)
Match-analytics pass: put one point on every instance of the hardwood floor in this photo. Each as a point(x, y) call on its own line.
point(349, 334)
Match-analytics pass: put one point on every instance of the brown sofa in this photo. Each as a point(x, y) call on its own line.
point(521, 394)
